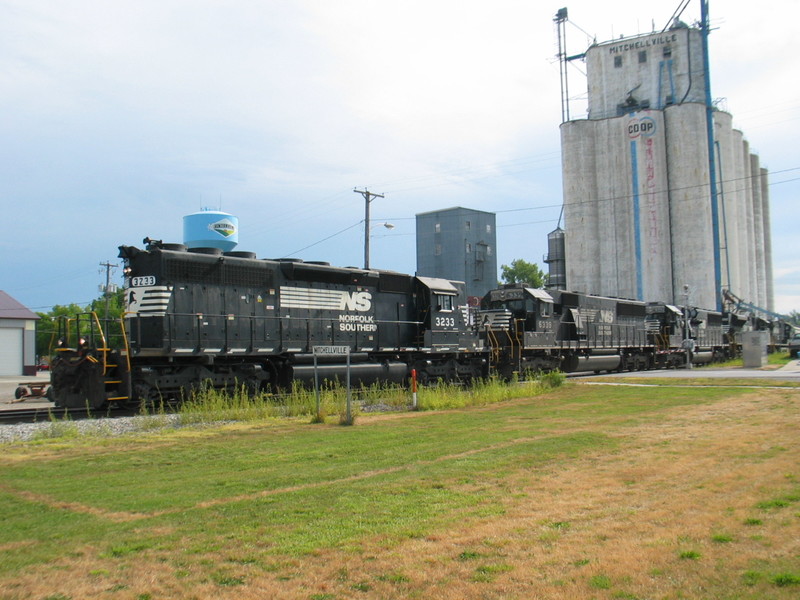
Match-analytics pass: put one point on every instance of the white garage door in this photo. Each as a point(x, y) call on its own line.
point(10, 351)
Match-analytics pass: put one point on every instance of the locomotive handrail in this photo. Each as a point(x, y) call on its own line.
point(519, 332)
point(68, 320)
point(104, 348)
point(494, 345)
point(93, 314)
point(63, 320)
point(125, 340)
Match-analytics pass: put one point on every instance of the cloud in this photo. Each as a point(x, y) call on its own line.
point(128, 115)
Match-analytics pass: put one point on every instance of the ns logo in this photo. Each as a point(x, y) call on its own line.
point(360, 301)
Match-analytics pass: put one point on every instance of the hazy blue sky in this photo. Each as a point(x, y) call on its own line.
point(119, 117)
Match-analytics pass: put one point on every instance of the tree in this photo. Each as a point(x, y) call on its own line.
point(521, 271)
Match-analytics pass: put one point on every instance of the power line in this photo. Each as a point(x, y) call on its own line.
point(327, 238)
point(589, 201)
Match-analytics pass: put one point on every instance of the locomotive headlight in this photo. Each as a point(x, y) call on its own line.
point(127, 271)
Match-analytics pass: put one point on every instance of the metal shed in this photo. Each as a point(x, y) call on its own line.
point(17, 337)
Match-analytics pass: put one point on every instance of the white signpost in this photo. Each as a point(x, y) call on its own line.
point(335, 351)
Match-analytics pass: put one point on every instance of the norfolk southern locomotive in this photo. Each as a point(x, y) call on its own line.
point(203, 317)
point(228, 319)
point(539, 330)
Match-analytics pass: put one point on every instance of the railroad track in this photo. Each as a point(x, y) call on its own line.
point(50, 413)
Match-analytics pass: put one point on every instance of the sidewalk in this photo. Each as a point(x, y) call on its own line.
point(792, 366)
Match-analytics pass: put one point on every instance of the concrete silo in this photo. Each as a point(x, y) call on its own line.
point(727, 199)
point(556, 260)
point(616, 205)
point(760, 294)
point(690, 206)
point(581, 203)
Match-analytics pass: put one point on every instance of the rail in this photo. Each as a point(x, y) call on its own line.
point(53, 414)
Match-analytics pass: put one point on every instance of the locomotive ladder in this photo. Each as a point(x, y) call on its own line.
point(498, 347)
point(496, 324)
point(494, 346)
point(112, 372)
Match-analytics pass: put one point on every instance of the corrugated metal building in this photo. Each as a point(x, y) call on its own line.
point(17, 337)
point(460, 244)
point(637, 196)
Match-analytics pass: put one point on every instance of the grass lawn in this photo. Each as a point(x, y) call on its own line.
point(582, 492)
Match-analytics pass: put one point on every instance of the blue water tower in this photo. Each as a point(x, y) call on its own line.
point(211, 229)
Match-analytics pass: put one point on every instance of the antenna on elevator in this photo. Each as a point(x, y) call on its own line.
point(561, 18)
point(561, 29)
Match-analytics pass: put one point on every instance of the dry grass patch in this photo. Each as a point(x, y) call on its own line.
point(642, 522)
point(703, 501)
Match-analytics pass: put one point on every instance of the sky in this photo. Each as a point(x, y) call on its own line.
point(118, 118)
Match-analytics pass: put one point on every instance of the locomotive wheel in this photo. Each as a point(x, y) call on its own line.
point(252, 386)
point(144, 396)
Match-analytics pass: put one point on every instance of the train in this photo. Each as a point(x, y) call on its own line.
point(200, 316)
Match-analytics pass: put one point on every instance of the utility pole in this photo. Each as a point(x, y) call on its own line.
point(368, 197)
point(712, 168)
point(107, 287)
point(688, 342)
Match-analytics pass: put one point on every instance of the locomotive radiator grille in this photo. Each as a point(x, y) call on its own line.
point(494, 320)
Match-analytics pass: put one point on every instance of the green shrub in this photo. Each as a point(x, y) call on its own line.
point(786, 579)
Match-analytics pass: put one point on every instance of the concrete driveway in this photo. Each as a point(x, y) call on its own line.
point(789, 372)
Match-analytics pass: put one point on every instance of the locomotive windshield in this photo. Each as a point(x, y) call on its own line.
point(444, 302)
point(521, 301)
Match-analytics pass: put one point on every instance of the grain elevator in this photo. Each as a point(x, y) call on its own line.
point(660, 191)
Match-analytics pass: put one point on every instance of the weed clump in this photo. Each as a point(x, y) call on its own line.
point(207, 404)
point(487, 391)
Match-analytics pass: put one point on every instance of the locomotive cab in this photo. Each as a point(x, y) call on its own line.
point(529, 311)
point(444, 314)
point(445, 334)
point(519, 323)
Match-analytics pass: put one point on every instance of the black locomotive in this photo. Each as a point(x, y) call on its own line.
point(530, 330)
point(229, 319)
